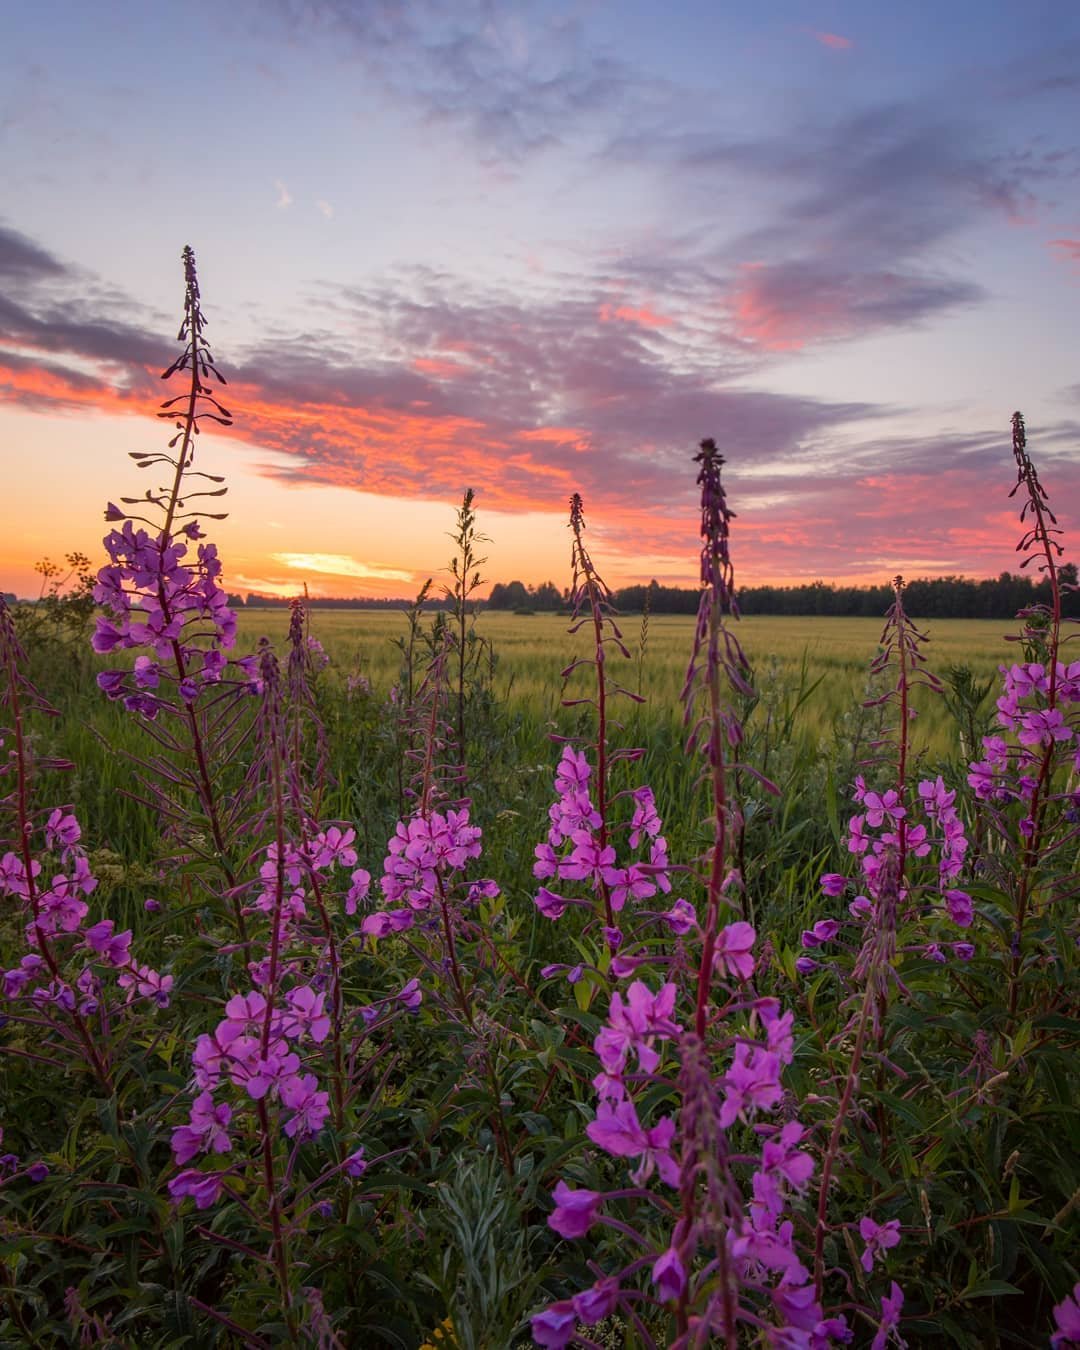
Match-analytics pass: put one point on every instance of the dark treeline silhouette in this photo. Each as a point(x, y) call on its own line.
point(344, 602)
point(928, 598)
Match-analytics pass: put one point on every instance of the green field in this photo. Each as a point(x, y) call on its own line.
point(532, 650)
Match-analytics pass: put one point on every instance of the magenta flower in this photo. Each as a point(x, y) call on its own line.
point(358, 890)
point(410, 995)
point(61, 828)
point(891, 1304)
point(1043, 728)
point(305, 1015)
point(879, 806)
point(733, 950)
point(550, 905)
point(668, 1275)
point(646, 821)
point(588, 861)
point(1067, 1317)
point(575, 1211)
point(823, 931)
point(632, 882)
point(618, 1131)
point(960, 908)
point(878, 1238)
point(573, 772)
point(593, 1305)
point(203, 1187)
point(857, 839)
point(680, 918)
point(208, 1130)
point(554, 1326)
point(751, 1084)
point(832, 883)
point(355, 1164)
point(310, 1108)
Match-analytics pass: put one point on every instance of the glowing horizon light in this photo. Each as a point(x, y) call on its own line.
point(340, 565)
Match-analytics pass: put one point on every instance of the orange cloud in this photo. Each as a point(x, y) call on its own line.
point(440, 370)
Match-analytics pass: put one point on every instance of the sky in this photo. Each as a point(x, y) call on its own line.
point(539, 248)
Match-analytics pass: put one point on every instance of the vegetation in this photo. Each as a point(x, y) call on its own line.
point(441, 992)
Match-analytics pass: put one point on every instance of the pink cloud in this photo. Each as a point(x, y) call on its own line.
point(833, 40)
point(644, 316)
point(1069, 248)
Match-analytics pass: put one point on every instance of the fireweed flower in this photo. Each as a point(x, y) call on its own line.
point(668, 1275)
point(1067, 1318)
point(555, 1325)
point(575, 1210)
point(573, 850)
point(879, 1238)
point(891, 1304)
point(208, 1130)
point(203, 1187)
point(355, 1164)
point(734, 951)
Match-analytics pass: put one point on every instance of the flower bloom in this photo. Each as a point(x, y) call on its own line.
point(203, 1187)
point(208, 1130)
point(878, 1238)
point(555, 1325)
point(1067, 1317)
point(355, 1164)
point(733, 950)
point(669, 1275)
point(575, 1211)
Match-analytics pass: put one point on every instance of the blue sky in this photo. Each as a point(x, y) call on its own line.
point(538, 248)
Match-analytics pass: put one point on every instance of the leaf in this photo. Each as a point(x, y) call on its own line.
point(990, 1289)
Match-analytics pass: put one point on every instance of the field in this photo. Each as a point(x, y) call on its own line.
point(532, 650)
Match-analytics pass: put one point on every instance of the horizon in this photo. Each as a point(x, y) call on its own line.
point(534, 250)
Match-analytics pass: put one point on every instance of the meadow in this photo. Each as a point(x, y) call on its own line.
point(479, 981)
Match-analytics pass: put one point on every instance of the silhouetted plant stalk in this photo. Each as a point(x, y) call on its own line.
point(1040, 544)
point(716, 658)
point(465, 568)
point(590, 602)
point(306, 788)
point(177, 610)
point(274, 726)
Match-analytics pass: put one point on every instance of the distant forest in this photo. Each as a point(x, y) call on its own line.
point(927, 598)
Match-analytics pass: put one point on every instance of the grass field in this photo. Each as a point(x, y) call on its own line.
point(531, 650)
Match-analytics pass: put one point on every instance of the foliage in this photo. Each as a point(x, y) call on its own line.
point(323, 1024)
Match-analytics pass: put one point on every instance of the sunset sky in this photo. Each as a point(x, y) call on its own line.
point(538, 248)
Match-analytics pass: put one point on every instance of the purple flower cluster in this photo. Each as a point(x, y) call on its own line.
point(576, 850)
point(254, 1048)
point(158, 599)
point(763, 1267)
point(303, 864)
point(56, 930)
point(1028, 711)
point(885, 828)
point(425, 857)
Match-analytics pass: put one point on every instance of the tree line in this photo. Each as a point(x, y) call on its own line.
point(926, 597)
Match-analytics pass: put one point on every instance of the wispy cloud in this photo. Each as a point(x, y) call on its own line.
point(1068, 249)
point(324, 208)
point(833, 40)
point(514, 80)
point(339, 565)
point(284, 198)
